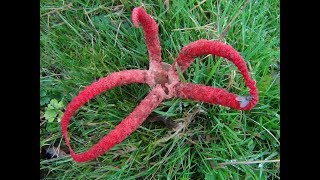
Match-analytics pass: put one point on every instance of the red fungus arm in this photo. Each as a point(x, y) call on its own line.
point(150, 28)
point(210, 94)
point(213, 96)
point(127, 126)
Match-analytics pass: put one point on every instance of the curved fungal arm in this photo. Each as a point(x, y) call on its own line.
point(210, 94)
point(213, 95)
point(150, 29)
point(127, 126)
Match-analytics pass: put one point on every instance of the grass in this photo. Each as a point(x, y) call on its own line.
point(82, 41)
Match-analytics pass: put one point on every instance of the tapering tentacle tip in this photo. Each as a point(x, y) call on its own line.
point(135, 16)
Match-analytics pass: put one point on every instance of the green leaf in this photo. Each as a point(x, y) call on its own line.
point(51, 119)
point(42, 93)
point(53, 127)
point(44, 100)
point(49, 114)
point(60, 105)
point(50, 107)
point(55, 104)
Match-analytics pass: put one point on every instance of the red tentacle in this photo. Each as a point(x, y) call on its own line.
point(150, 28)
point(126, 127)
point(211, 95)
point(204, 47)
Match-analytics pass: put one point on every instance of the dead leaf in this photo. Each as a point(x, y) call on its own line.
point(167, 4)
point(181, 127)
point(231, 79)
point(117, 8)
point(166, 121)
point(209, 138)
point(54, 152)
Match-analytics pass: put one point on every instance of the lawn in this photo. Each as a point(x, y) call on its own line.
point(82, 41)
